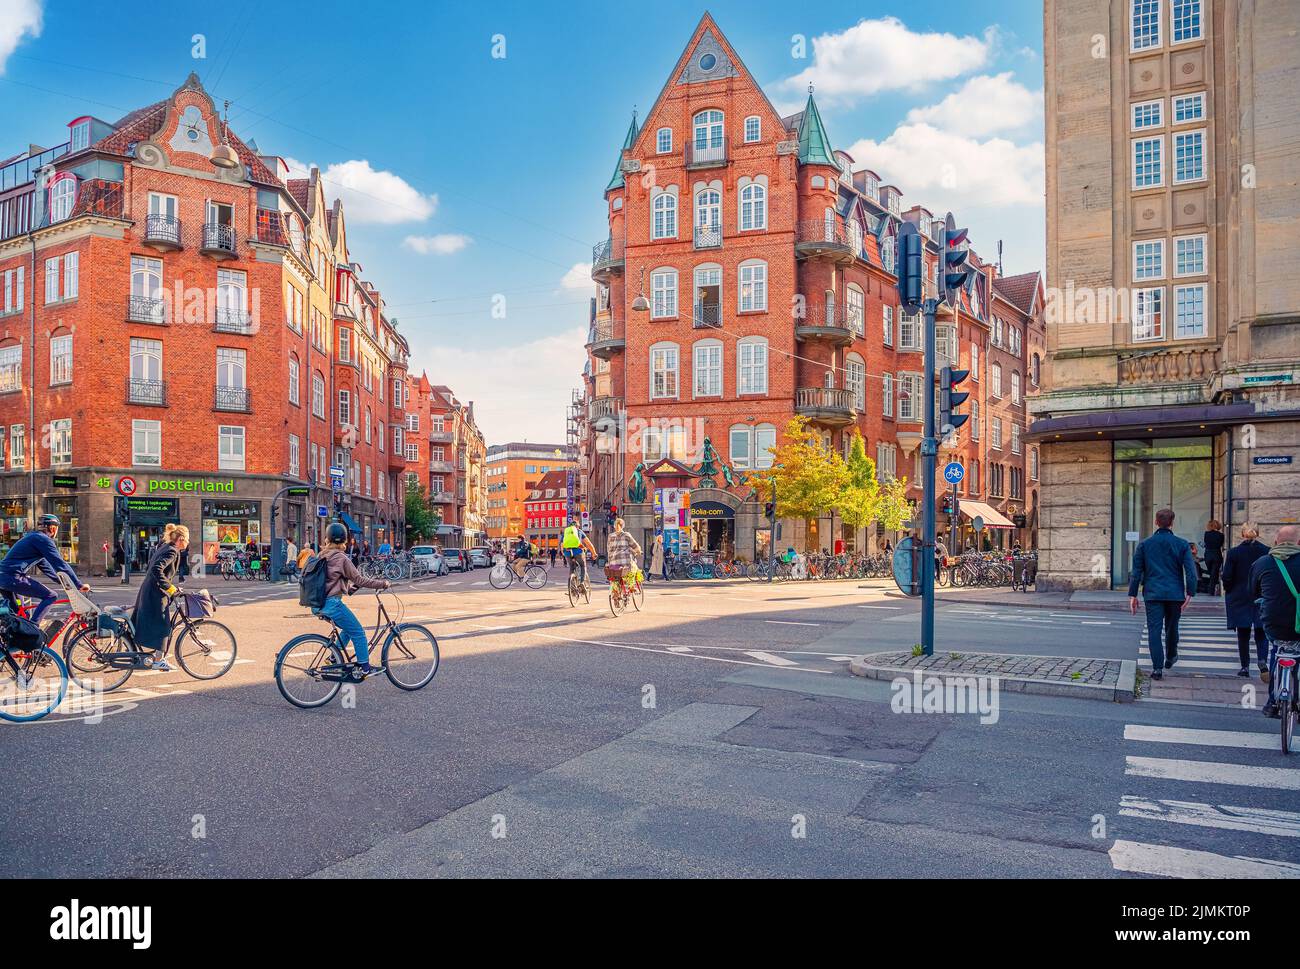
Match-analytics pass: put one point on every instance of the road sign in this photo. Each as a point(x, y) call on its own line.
point(126, 485)
point(907, 567)
point(322, 511)
point(953, 472)
point(337, 476)
point(977, 523)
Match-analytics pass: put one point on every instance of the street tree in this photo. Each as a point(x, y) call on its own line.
point(422, 519)
point(810, 478)
point(864, 500)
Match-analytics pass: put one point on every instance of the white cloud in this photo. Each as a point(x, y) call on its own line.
point(984, 105)
point(539, 377)
point(881, 55)
point(578, 279)
point(439, 245)
point(369, 195)
point(18, 19)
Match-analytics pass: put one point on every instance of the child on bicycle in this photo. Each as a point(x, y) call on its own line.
point(342, 578)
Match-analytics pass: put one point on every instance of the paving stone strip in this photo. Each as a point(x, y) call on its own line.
point(1108, 679)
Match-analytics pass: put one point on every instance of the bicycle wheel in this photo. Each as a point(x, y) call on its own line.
point(393, 572)
point(617, 604)
point(205, 648)
point(534, 577)
point(297, 670)
point(410, 656)
point(225, 571)
point(501, 576)
point(39, 689)
point(1289, 713)
point(574, 589)
point(86, 656)
point(637, 595)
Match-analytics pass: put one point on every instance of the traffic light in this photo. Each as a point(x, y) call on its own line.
point(952, 275)
point(769, 510)
point(950, 398)
point(910, 265)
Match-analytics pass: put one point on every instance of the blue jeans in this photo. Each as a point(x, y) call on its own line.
point(350, 627)
point(22, 585)
point(1162, 616)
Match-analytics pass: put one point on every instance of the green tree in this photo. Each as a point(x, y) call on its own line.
point(810, 478)
point(422, 519)
point(864, 500)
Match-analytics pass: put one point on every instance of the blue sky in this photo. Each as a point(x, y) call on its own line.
point(466, 176)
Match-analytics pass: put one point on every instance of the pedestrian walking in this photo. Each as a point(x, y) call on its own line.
point(1164, 570)
point(657, 563)
point(1212, 542)
point(552, 556)
point(1239, 601)
point(1274, 580)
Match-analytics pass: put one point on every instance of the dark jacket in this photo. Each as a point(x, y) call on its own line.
point(1278, 610)
point(150, 615)
point(1212, 542)
point(1238, 600)
point(36, 550)
point(1163, 567)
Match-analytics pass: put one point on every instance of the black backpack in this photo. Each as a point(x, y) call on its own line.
point(315, 579)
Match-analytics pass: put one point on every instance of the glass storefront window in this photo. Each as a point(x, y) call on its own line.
point(1149, 475)
point(70, 533)
point(13, 519)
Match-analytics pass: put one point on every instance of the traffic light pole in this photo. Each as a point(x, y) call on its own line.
point(929, 455)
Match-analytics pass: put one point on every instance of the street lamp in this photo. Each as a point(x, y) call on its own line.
point(223, 156)
point(641, 304)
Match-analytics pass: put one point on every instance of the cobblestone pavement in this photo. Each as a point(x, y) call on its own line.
point(1100, 672)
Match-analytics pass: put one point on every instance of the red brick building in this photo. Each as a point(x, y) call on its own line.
point(546, 510)
point(748, 276)
point(162, 337)
point(445, 453)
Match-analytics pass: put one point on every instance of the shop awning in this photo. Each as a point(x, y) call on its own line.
point(351, 523)
point(992, 517)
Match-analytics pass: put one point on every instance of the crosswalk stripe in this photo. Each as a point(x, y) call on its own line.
point(1285, 824)
point(1206, 772)
point(1189, 664)
point(1250, 739)
point(769, 658)
point(1147, 859)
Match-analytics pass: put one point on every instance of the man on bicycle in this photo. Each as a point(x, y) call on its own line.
point(36, 548)
point(576, 546)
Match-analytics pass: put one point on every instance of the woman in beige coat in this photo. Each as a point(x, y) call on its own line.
point(657, 557)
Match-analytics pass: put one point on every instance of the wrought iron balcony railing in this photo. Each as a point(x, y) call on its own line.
point(707, 315)
point(150, 392)
point(713, 152)
point(146, 309)
point(708, 236)
point(235, 399)
point(218, 239)
point(822, 234)
point(163, 230)
point(606, 255)
point(231, 319)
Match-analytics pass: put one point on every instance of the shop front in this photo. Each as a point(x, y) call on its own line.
point(713, 528)
point(230, 526)
point(142, 529)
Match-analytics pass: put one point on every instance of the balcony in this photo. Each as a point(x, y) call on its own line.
point(708, 236)
point(442, 498)
point(1169, 366)
point(604, 408)
point(218, 240)
point(828, 322)
point(440, 437)
point(706, 316)
point(711, 155)
point(151, 393)
point(605, 338)
point(606, 258)
point(146, 309)
point(234, 399)
point(443, 467)
point(231, 319)
point(822, 237)
point(162, 232)
point(825, 405)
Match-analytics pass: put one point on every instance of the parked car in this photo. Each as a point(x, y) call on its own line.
point(480, 557)
point(432, 557)
point(457, 559)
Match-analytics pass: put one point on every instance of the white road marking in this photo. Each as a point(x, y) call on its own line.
point(841, 659)
point(1206, 772)
point(769, 658)
point(1191, 664)
point(1259, 820)
point(784, 622)
point(1252, 740)
point(678, 649)
point(879, 607)
point(1094, 622)
point(663, 652)
point(1173, 862)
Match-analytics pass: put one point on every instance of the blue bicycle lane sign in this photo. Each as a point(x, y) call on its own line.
point(953, 472)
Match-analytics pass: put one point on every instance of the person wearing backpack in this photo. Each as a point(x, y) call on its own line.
point(1274, 580)
point(326, 580)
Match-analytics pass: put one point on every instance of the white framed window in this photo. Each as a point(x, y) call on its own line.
point(71, 265)
point(855, 304)
point(707, 368)
point(887, 395)
point(294, 380)
point(146, 443)
point(888, 323)
point(995, 434)
point(1015, 387)
point(753, 128)
point(1185, 21)
point(663, 370)
point(1188, 108)
point(911, 405)
point(63, 195)
point(909, 332)
point(11, 368)
point(1189, 311)
point(1015, 438)
point(345, 345)
point(345, 407)
point(146, 363)
point(232, 368)
point(975, 362)
point(1189, 156)
point(52, 280)
point(11, 296)
point(295, 456)
point(945, 343)
point(753, 207)
point(61, 442)
point(974, 422)
point(1144, 33)
point(1189, 255)
point(886, 462)
point(369, 431)
point(318, 395)
point(751, 365)
point(664, 222)
point(17, 446)
point(413, 453)
point(232, 290)
point(80, 136)
point(740, 441)
point(663, 291)
point(855, 380)
point(368, 479)
point(61, 359)
point(708, 212)
point(1148, 314)
point(1148, 162)
point(753, 286)
point(1033, 464)
point(708, 295)
point(664, 141)
point(995, 380)
point(708, 135)
point(1149, 259)
point(1147, 114)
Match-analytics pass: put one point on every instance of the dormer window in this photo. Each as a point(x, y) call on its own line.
point(80, 137)
point(63, 194)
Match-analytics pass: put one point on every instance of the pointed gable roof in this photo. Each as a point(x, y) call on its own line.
point(628, 142)
point(814, 142)
point(1020, 291)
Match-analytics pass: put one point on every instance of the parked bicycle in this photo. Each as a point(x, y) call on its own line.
point(312, 668)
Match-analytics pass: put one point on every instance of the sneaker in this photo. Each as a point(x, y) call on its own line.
point(1170, 660)
point(1263, 674)
point(1243, 672)
point(367, 669)
point(1271, 710)
point(160, 665)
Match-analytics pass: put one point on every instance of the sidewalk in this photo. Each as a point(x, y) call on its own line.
point(1094, 679)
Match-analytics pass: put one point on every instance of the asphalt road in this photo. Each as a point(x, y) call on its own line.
point(716, 733)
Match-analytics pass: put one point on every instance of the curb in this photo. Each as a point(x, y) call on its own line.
point(1087, 691)
point(1029, 601)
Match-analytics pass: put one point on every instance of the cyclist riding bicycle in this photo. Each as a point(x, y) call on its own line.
point(342, 578)
point(575, 543)
point(37, 549)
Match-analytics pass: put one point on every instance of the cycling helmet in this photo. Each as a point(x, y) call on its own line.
point(48, 520)
point(336, 534)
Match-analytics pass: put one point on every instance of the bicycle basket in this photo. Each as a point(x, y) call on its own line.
point(21, 634)
point(198, 605)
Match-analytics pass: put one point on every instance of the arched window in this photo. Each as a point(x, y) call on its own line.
point(664, 141)
point(764, 441)
point(855, 236)
point(664, 366)
point(751, 365)
point(665, 216)
point(63, 193)
point(855, 308)
point(1015, 386)
point(855, 380)
point(708, 218)
point(887, 252)
point(294, 376)
point(1033, 464)
point(709, 144)
point(753, 207)
point(752, 277)
point(753, 128)
point(706, 368)
point(741, 442)
point(1033, 369)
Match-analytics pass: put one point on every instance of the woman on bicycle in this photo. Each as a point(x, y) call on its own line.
point(341, 578)
point(622, 553)
point(150, 615)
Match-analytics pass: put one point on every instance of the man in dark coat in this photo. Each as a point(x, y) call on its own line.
point(1163, 568)
point(1279, 602)
point(1213, 541)
point(1239, 602)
